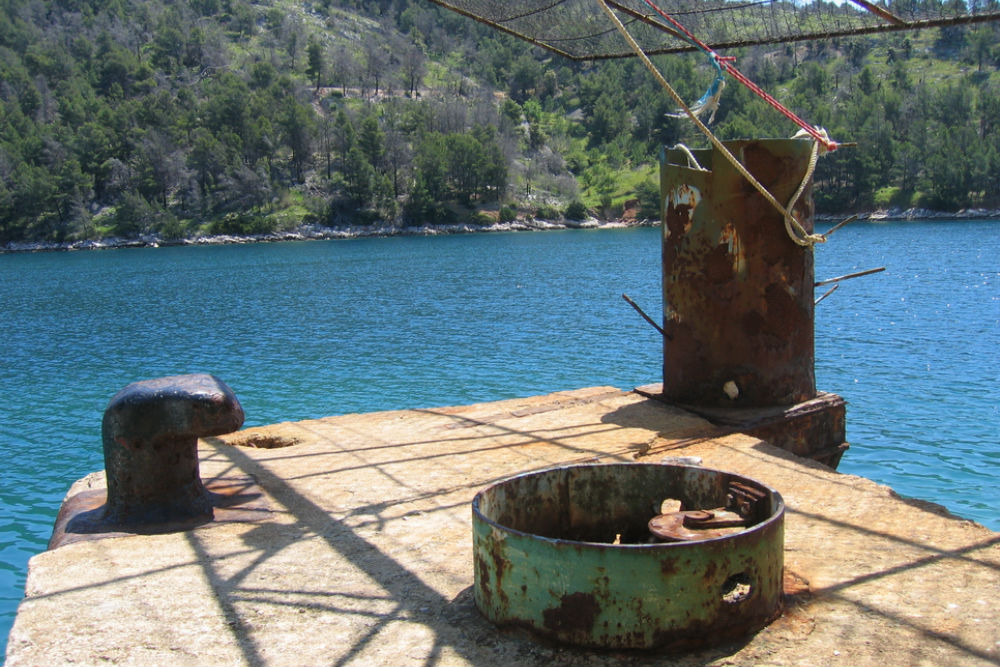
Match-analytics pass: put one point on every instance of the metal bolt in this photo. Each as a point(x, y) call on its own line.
point(697, 517)
point(150, 433)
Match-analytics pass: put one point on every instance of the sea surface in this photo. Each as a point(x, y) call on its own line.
point(313, 329)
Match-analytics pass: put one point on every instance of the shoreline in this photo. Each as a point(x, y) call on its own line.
point(896, 214)
point(321, 233)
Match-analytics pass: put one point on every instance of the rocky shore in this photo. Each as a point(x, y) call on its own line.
point(319, 233)
point(895, 213)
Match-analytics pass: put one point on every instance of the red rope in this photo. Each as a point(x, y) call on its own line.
point(726, 63)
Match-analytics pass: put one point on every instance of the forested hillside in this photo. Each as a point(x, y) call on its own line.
point(134, 117)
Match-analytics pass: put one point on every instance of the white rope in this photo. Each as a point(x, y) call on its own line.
point(692, 160)
point(794, 228)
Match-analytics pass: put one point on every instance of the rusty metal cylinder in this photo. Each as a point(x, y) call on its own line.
point(737, 290)
point(568, 554)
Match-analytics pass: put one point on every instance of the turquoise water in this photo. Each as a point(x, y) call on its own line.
point(302, 330)
point(916, 352)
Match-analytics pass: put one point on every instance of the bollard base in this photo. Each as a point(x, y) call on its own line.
point(83, 515)
point(150, 435)
point(813, 429)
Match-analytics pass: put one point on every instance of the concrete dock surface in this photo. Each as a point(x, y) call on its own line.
point(348, 542)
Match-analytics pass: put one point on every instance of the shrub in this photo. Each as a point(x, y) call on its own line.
point(547, 212)
point(508, 214)
point(242, 224)
point(576, 211)
point(133, 216)
point(172, 229)
point(648, 194)
point(481, 219)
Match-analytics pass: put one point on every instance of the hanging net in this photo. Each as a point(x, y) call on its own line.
point(579, 30)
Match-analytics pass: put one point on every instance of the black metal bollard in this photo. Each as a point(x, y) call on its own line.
point(150, 432)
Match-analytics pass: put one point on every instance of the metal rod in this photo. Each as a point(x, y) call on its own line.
point(646, 317)
point(645, 18)
point(497, 26)
point(684, 47)
point(879, 11)
point(840, 224)
point(848, 276)
point(828, 293)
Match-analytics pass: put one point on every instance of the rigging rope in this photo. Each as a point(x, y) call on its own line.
point(725, 63)
point(795, 230)
point(707, 102)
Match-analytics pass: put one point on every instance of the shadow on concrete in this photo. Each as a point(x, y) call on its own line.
point(456, 631)
point(456, 624)
point(924, 558)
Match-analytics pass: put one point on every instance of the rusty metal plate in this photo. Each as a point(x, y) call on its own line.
point(568, 554)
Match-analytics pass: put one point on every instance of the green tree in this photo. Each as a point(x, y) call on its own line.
point(316, 64)
point(207, 159)
point(133, 216)
point(525, 76)
point(431, 167)
point(982, 45)
point(492, 176)
point(371, 141)
point(465, 161)
point(609, 119)
point(359, 176)
point(298, 126)
point(866, 81)
point(168, 45)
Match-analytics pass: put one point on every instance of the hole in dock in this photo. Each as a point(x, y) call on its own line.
point(261, 441)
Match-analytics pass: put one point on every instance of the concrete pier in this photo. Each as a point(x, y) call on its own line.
point(347, 541)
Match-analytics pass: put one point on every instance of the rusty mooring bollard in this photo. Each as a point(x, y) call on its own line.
point(150, 432)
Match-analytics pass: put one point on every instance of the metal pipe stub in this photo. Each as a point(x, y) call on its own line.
point(737, 290)
point(150, 433)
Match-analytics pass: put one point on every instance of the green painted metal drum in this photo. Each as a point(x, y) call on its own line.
point(568, 553)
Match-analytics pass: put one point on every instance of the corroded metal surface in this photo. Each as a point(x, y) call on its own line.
point(737, 291)
point(150, 433)
point(814, 429)
point(567, 553)
point(82, 515)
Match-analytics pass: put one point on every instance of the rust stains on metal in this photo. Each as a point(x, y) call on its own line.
point(745, 506)
point(749, 501)
point(82, 516)
point(737, 291)
point(686, 526)
point(567, 553)
point(150, 432)
point(813, 429)
point(575, 614)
